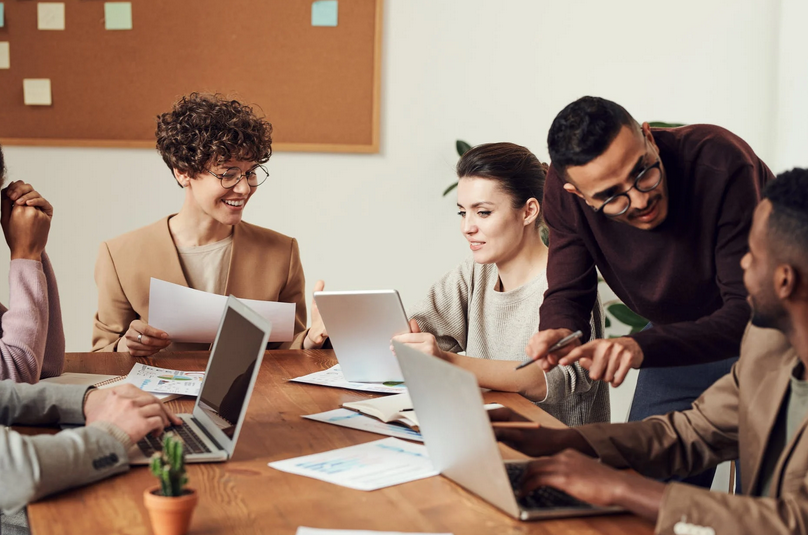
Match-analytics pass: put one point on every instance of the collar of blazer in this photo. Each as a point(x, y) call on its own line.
point(240, 270)
point(764, 405)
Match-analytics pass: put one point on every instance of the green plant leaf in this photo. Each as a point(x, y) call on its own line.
point(448, 190)
point(662, 124)
point(462, 147)
point(608, 322)
point(623, 314)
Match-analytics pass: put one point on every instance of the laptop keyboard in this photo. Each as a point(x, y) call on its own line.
point(193, 444)
point(541, 497)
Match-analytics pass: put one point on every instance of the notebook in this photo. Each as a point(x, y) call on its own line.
point(210, 433)
point(461, 443)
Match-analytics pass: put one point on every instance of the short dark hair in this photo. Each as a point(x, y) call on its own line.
point(788, 221)
point(583, 130)
point(517, 170)
point(2, 166)
point(203, 128)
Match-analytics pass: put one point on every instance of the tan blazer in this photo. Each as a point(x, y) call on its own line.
point(264, 265)
point(732, 419)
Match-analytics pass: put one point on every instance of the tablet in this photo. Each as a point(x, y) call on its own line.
point(361, 325)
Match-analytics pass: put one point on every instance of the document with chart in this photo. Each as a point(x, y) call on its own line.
point(357, 420)
point(369, 466)
point(333, 377)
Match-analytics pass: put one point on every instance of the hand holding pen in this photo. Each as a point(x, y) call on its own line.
point(533, 349)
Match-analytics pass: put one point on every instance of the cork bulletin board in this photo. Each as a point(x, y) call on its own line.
point(319, 85)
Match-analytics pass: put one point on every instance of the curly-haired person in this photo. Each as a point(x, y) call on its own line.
point(216, 150)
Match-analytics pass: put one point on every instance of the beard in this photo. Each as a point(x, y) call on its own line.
point(766, 317)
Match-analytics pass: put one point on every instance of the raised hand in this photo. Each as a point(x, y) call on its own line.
point(317, 334)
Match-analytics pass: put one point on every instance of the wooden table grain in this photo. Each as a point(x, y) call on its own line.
point(245, 495)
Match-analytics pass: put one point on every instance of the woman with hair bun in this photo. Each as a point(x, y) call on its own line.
point(217, 150)
point(488, 307)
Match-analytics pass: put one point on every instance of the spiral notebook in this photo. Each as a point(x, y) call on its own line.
point(99, 380)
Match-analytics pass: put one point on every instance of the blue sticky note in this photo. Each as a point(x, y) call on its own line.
point(2, 16)
point(324, 12)
point(118, 15)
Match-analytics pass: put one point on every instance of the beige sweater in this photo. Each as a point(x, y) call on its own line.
point(466, 314)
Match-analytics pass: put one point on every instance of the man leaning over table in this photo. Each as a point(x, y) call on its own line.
point(664, 214)
point(758, 411)
point(32, 467)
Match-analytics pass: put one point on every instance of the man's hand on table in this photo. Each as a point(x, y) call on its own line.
point(134, 411)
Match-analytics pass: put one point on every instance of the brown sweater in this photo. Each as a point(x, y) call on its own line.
point(684, 275)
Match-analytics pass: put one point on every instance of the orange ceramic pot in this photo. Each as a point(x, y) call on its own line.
point(169, 515)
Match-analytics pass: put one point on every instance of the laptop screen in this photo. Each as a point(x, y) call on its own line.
point(230, 371)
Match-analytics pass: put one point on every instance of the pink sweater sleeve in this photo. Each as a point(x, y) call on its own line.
point(54, 360)
point(25, 324)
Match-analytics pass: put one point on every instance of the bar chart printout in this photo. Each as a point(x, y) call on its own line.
point(369, 466)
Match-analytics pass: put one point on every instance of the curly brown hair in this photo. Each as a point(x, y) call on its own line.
point(204, 129)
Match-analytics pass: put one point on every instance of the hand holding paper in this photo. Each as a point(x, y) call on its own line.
point(189, 315)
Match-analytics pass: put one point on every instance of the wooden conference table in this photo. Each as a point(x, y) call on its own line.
point(244, 495)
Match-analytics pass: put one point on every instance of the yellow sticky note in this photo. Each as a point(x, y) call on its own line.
point(5, 56)
point(37, 91)
point(50, 15)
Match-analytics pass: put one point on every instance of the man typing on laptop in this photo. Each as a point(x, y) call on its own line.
point(32, 467)
point(756, 412)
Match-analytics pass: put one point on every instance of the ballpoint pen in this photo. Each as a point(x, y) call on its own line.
point(567, 340)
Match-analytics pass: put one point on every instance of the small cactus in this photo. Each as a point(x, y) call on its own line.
point(169, 466)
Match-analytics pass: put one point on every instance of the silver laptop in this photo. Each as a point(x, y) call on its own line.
point(461, 442)
point(211, 431)
point(360, 325)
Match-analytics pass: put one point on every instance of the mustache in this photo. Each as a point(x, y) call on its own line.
point(652, 202)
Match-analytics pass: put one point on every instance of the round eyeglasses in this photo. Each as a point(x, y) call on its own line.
point(648, 179)
point(232, 176)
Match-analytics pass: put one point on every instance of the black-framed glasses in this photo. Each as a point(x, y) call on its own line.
point(232, 176)
point(647, 180)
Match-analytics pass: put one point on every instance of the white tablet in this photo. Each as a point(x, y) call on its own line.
point(360, 325)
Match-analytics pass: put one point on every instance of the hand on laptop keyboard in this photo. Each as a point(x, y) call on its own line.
point(129, 408)
point(193, 444)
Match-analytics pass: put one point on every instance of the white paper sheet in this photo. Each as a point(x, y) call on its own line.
point(189, 315)
point(357, 420)
point(333, 377)
point(369, 466)
point(316, 531)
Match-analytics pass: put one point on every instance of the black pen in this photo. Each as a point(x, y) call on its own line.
point(567, 340)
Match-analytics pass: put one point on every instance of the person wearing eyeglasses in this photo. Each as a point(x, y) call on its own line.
point(663, 214)
point(216, 149)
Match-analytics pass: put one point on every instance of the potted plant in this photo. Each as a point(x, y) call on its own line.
point(170, 504)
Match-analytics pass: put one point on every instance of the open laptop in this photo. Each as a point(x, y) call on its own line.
point(360, 325)
point(461, 442)
point(211, 431)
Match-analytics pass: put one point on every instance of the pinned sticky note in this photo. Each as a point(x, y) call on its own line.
point(2, 16)
point(50, 15)
point(37, 91)
point(5, 56)
point(118, 15)
point(324, 12)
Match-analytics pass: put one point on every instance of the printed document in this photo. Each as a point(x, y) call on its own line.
point(189, 315)
point(369, 466)
point(357, 420)
point(316, 531)
point(333, 377)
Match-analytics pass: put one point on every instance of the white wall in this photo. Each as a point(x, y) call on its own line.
point(473, 69)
